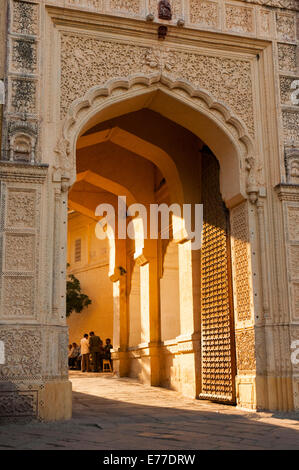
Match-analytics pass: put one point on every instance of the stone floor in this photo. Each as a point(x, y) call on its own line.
point(121, 414)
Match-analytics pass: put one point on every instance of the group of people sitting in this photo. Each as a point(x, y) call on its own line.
point(90, 354)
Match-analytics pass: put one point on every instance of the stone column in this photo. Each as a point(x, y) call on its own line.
point(150, 313)
point(189, 339)
point(33, 372)
point(120, 319)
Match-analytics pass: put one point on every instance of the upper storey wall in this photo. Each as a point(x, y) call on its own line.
point(275, 19)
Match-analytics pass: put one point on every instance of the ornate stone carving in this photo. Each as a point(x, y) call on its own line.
point(290, 4)
point(25, 17)
point(245, 344)
point(18, 404)
point(239, 19)
point(176, 8)
point(291, 125)
point(21, 209)
point(205, 13)
point(240, 259)
point(23, 96)
point(160, 58)
point(164, 10)
point(285, 89)
point(22, 147)
point(22, 352)
point(94, 4)
point(265, 22)
point(293, 223)
point(286, 26)
point(19, 252)
point(294, 261)
point(21, 138)
point(94, 61)
point(24, 56)
point(292, 165)
point(18, 297)
point(295, 292)
point(63, 348)
point(130, 6)
point(287, 57)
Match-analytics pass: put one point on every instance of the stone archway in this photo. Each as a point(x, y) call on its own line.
point(235, 155)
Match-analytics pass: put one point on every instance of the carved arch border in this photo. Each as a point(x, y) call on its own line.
point(121, 89)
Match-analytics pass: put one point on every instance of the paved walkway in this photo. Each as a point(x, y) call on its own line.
point(121, 414)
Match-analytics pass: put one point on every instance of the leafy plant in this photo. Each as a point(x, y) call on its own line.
point(75, 300)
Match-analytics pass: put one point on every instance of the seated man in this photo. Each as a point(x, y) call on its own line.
point(73, 356)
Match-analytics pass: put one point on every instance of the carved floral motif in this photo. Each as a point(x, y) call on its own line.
point(240, 240)
point(245, 341)
point(239, 19)
point(24, 58)
point(205, 13)
point(86, 62)
point(286, 27)
point(285, 89)
point(18, 295)
point(94, 4)
point(18, 404)
point(21, 209)
point(19, 252)
point(293, 223)
point(287, 57)
point(22, 353)
point(265, 19)
point(23, 96)
point(294, 261)
point(25, 17)
point(291, 125)
point(130, 6)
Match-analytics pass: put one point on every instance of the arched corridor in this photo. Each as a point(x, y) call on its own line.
point(161, 283)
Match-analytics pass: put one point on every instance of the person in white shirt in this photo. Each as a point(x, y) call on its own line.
point(85, 353)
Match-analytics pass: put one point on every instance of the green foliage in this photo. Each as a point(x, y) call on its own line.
point(75, 300)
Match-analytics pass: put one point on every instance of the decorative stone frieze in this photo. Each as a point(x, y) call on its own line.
point(287, 57)
point(93, 61)
point(292, 165)
point(23, 350)
point(19, 252)
point(286, 27)
point(25, 17)
point(96, 5)
point(24, 56)
point(293, 223)
point(291, 125)
point(240, 262)
point(294, 261)
point(265, 22)
point(285, 89)
point(22, 96)
point(239, 19)
point(21, 208)
point(245, 343)
point(14, 404)
point(126, 6)
point(205, 13)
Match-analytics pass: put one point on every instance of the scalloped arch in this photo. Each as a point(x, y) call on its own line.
point(118, 90)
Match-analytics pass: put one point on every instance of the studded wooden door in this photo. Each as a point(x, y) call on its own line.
point(217, 323)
